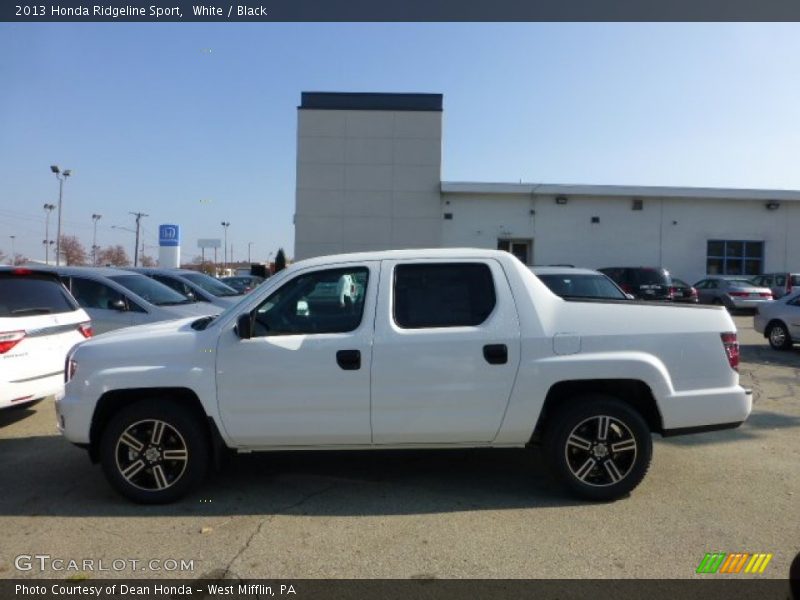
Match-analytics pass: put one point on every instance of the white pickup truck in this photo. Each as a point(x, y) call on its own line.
point(429, 349)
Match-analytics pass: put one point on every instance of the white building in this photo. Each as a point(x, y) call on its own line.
point(369, 178)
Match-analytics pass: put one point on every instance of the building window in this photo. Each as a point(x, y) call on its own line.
point(734, 257)
point(519, 248)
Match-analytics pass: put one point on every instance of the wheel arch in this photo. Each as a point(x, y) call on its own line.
point(635, 393)
point(113, 401)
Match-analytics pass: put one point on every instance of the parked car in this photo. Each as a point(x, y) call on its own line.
point(39, 323)
point(779, 321)
point(781, 284)
point(683, 292)
point(645, 283)
point(243, 283)
point(570, 282)
point(116, 298)
point(455, 348)
point(194, 285)
point(734, 293)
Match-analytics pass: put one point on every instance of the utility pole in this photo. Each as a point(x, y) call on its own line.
point(225, 225)
point(61, 176)
point(138, 216)
point(248, 251)
point(95, 219)
point(48, 208)
point(13, 256)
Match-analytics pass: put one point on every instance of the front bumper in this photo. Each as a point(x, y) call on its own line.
point(74, 417)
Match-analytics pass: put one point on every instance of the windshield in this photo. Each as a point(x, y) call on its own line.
point(211, 285)
point(582, 286)
point(150, 290)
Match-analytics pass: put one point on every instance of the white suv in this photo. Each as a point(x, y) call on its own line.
point(39, 323)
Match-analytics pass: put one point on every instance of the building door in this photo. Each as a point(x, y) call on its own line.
point(522, 249)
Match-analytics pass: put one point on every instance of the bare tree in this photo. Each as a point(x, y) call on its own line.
point(113, 255)
point(147, 261)
point(72, 251)
point(19, 259)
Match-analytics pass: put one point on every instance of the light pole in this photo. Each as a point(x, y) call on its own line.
point(13, 256)
point(248, 250)
point(225, 225)
point(61, 176)
point(48, 208)
point(95, 219)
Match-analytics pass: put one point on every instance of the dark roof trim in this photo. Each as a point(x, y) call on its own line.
point(369, 101)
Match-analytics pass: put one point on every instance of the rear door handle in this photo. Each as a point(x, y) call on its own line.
point(349, 360)
point(496, 354)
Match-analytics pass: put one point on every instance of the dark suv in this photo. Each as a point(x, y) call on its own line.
point(646, 283)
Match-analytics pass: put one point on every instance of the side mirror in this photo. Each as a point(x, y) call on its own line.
point(244, 326)
point(630, 296)
point(118, 304)
point(191, 296)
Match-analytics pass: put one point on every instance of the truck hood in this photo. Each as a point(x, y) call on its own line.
point(152, 332)
point(195, 309)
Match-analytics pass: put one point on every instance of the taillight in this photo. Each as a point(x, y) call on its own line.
point(9, 339)
point(626, 287)
point(731, 345)
point(673, 291)
point(738, 294)
point(86, 329)
point(693, 292)
point(766, 295)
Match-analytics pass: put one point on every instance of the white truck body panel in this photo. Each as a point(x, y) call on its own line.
point(416, 387)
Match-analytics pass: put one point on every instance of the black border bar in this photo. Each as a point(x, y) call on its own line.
point(399, 10)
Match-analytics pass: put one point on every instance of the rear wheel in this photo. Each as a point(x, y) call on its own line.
point(778, 336)
point(599, 447)
point(154, 452)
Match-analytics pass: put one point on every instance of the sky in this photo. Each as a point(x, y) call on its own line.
point(195, 124)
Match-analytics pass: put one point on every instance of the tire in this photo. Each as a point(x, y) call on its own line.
point(778, 336)
point(589, 467)
point(154, 451)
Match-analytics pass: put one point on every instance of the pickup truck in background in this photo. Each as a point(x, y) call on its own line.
point(446, 348)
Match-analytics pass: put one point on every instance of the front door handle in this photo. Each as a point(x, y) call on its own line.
point(349, 360)
point(496, 354)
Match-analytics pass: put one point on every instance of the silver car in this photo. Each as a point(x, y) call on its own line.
point(779, 321)
point(115, 298)
point(735, 293)
point(194, 285)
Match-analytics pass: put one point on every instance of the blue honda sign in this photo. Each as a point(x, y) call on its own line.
point(169, 235)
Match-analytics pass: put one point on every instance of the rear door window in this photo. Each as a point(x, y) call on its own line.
point(93, 294)
point(28, 295)
point(443, 295)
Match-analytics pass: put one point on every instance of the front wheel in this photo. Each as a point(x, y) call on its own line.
point(154, 452)
point(778, 336)
point(599, 447)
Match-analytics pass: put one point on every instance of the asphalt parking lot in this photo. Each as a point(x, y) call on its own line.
point(477, 514)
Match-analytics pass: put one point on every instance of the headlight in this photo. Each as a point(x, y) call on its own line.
point(70, 368)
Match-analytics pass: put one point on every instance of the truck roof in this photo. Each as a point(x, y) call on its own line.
point(422, 253)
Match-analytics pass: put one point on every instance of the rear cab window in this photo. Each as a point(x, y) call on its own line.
point(432, 295)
